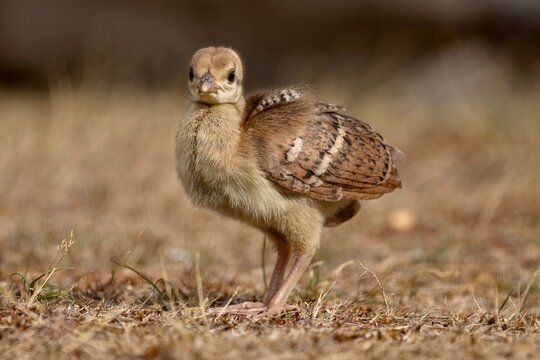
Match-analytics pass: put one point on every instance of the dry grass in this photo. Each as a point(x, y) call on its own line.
point(445, 268)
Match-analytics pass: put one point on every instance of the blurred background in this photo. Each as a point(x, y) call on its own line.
point(91, 93)
point(148, 44)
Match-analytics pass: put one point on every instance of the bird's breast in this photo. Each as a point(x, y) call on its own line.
point(216, 174)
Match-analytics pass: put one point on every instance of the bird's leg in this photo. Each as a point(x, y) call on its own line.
point(283, 255)
point(280, 292)
point(248, 307)
point(300, 265)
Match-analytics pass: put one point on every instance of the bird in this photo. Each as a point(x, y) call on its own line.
point(280, 160)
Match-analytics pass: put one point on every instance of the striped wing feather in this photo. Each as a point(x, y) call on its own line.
point(310, 147)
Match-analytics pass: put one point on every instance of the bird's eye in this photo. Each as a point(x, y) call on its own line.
point(190, 74)
point(231, 76)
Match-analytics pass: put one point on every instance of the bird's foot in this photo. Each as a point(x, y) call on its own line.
point(251, 308)
point(245, 308)
point(273, 310)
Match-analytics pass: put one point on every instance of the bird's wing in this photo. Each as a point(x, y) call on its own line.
point(310, 147)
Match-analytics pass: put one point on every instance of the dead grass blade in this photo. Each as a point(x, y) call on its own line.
point(162, 294)
point(492, 204)
point(523, 298)
point(379, 284)
point(504, 302)
point(200, 294)
point(227, 304)
point(263, 264)
point(35, 287)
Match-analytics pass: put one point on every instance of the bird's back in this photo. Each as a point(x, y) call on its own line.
point(310, 147)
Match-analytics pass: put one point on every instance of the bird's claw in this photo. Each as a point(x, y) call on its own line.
point(250, 308)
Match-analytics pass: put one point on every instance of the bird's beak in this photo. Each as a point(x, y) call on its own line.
point(207, 84)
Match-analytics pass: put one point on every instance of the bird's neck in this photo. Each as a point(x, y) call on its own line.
point(230, 108)
point(225, 116)
point(215, 133)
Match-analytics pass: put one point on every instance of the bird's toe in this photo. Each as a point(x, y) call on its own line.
point(245, 308)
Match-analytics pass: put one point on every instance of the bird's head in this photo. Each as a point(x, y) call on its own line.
point(215, 76)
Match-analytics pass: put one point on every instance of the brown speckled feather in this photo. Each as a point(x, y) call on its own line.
point(318, 151)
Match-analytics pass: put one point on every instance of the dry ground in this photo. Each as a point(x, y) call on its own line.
point(456, 251)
